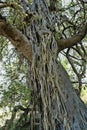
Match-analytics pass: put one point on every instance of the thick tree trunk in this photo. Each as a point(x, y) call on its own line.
point(53, 94)
point(52, 91)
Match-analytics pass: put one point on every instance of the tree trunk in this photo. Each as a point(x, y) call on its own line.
point(53, 94)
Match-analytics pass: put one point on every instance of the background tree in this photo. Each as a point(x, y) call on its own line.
point(43, 33)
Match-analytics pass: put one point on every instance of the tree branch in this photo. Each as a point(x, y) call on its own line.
point(16, 37)
point(69, 42)
point(11, 4)
point(15, 6)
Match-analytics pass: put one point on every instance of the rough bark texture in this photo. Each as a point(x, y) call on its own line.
point(53, 94)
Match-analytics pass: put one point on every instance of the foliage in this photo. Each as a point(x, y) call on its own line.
point(13, 88)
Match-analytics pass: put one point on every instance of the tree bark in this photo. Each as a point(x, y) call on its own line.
point(54, 96)
point(52, 91)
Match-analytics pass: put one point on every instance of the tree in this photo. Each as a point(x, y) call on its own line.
point(45, 31)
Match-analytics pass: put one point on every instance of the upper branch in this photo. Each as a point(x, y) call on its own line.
point(11, 4)
point(15, 6)
point(19, 40)
point(69, 42)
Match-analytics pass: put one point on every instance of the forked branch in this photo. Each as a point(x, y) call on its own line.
point(21, 42)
